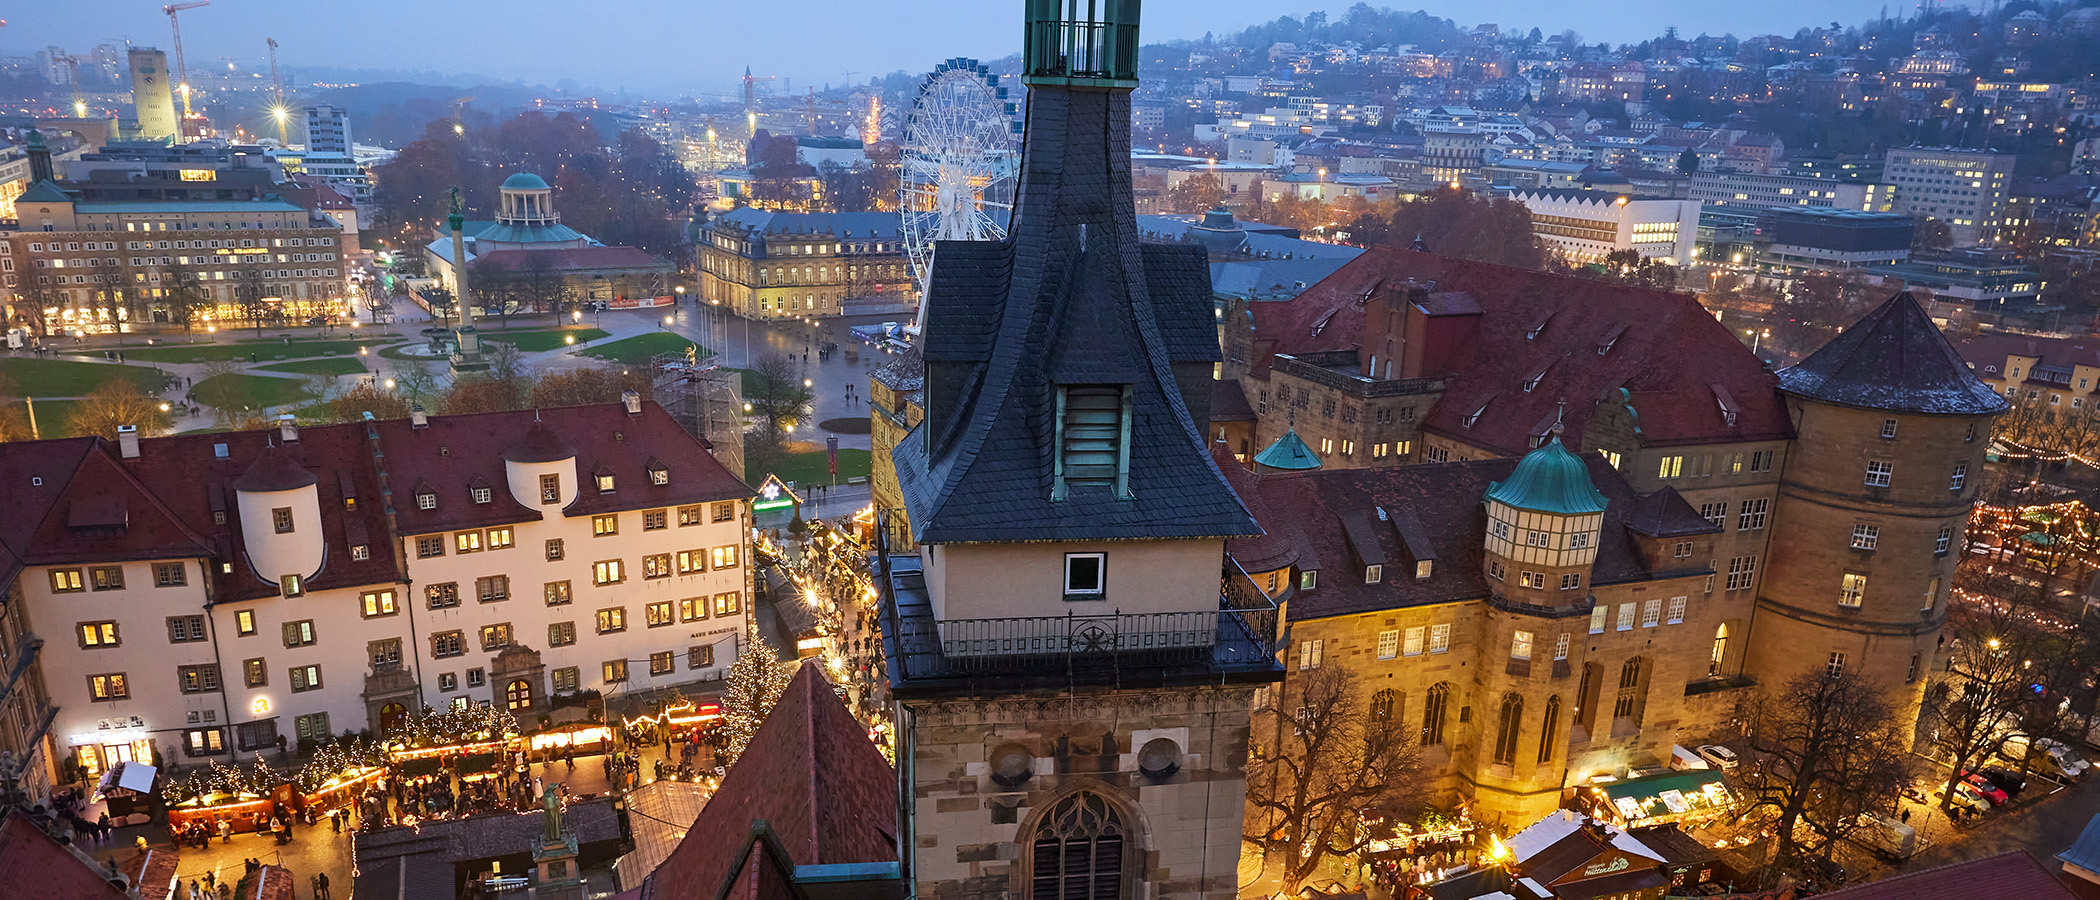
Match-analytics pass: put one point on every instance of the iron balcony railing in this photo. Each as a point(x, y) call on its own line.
point(1082, 49)
point(1240, 634)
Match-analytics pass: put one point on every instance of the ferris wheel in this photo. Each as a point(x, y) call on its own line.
point(960, 153)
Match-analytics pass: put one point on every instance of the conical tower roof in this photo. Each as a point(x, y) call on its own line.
point(273, 471)
point(1550, 480)
point(540, 445)
point(1892, 359)
point(1289, 452)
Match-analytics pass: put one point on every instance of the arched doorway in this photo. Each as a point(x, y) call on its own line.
point(518, 694)
point(391, 716)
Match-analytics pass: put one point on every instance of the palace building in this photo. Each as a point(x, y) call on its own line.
point(206, 595)
point(1577, 611)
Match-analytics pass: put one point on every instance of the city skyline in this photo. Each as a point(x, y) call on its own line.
point(640, 59)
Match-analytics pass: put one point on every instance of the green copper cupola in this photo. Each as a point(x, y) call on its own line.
point(1081, 43)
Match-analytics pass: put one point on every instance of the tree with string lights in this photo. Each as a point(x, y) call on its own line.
point(755, 682)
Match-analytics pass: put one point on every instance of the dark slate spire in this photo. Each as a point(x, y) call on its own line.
point(1070, 298)
point(1892, 359)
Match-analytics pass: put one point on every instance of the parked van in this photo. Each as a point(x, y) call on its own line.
point(2049, 757)
point(1887, 838)
point(1684, 760)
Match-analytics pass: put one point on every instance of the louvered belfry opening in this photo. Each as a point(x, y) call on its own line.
point(1078, 851)
point(1092, 441)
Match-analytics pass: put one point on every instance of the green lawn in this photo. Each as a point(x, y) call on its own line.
point(262, 351)
point(248, 391)
point(67, 378)
point(536, 341)
point(810, 468)
point(52, 418)
point(637, 350)
point(339, 365)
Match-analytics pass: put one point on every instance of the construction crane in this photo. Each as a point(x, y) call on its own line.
point(182, 69)
point(277, 110)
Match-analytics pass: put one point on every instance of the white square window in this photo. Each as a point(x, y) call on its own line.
point(1946, 536)
point(1535, 580)
point(1878, 472)
point(1309, 653)
point(1626, 616)
point(1560, 646)
point(1413, 644)
point(1085, 576)
point(1864, 536)
point(1373, 574)
point(1676, 614)
point(1520, 645)
point(483, 495)
point(1439, 638)
point(1597, 615)
point(1570, 581)
point(1888, 428)
point(1959, 477)
point(1651, 613)
point(1388, 644)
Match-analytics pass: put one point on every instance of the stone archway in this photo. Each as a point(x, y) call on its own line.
point(389, 695)
point(517, 673)
point(93, 133)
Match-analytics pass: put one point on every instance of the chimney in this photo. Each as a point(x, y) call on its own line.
point(417, 418)
point(287, 428)
point(128, 441)
point(633, 401)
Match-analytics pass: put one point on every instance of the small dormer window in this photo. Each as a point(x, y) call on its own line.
point(426, 500)
point(483, 495)
point(1374, 574)
point(361, 552)
point(292, 586)
point(1424, 568)
point(1308, 579)
point(605, 482)
point(658, 475)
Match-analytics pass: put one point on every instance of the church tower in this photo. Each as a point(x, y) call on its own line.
point(1072, 657)
point(1868, 521)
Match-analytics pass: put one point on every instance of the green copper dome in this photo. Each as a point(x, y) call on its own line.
point(1289, 452)
point(525, 181)
point(1550, 480)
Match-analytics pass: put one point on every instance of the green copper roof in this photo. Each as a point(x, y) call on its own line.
point(1549, 480)
point(525, 181)
point(43, 192)
point(1289, 452)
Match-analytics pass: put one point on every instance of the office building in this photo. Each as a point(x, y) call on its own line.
point(327, 131)
point(1964, 189)
point(1590, 225)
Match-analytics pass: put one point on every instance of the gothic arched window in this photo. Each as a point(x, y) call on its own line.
point(1433, 714)
point(1383, 705)
point(1549, 728)
point(1512, 726)
point(1078, 851)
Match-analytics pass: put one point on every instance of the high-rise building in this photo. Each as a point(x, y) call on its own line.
point(327, 130)
point(1966, 189)
point(153, 94)
point(1088, 738)
point(56, 65)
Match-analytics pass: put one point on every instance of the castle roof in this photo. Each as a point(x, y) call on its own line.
point(1892, 359)
point(274, 471)
point(1549, 480)
point(1583, 341)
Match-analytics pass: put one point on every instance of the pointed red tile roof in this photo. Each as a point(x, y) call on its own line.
point(274, 471)
point(39, 868)
point(813, 777)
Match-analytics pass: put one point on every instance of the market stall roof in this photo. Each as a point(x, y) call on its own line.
point(417, 768)
point(1653, 785)
point(477, 764)
point(131, 776)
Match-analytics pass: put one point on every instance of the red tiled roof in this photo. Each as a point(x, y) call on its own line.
point(38, 868)
point(1308, 510)
point(2007, 876)
point(571, 259)
point(813, 777)
point(1987, 352)
point(1672, 358)
point(453, 451)
point(129, 521)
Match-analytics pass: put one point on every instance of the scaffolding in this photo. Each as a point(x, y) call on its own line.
point(707, 401)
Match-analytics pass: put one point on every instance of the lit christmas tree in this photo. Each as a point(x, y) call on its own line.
point(755, 682)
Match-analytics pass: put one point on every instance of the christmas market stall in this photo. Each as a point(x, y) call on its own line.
point(127, 791)
point(338, 773)
point(420, 746)
point(1685, 798)
point(235, 794)
point(477, 767)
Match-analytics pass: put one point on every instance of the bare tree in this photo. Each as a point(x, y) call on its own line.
point(351, 405)
point(1318, 763)
point(1988, 686)
point(117, 402)
point(778, 396)
point(417, 382)
point(1832, 748)
point(181, 296)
